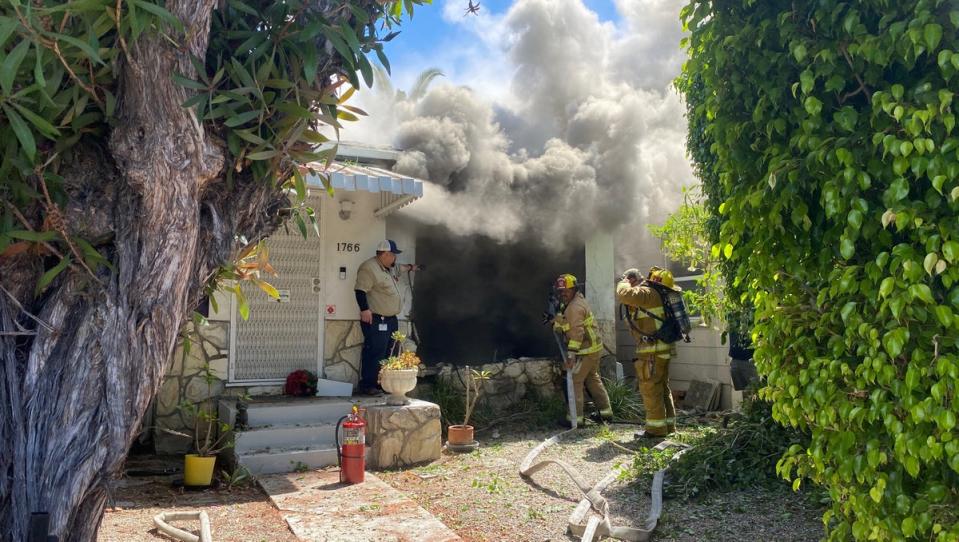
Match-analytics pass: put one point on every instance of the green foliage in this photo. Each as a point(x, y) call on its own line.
point(743, 453)
point(831, 141)
point(627, 405)
point(685, 238)
point(274, 74)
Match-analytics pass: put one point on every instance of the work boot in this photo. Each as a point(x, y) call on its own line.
point(606, 414)
point(644, 434)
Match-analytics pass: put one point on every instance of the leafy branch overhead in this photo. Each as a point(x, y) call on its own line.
point(272, 87)
point(825, 136)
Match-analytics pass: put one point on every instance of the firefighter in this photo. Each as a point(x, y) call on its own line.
point(583, 348)
point(652, 355)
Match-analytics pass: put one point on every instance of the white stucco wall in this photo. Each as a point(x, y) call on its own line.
point(600, 276)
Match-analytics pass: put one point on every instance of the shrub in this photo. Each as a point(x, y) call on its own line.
point(826, 130)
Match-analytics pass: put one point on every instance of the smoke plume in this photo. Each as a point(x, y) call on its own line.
point(591, 134)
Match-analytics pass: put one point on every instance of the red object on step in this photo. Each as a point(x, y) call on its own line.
point(352, 449)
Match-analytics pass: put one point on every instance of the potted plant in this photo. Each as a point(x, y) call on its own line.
point(210, 435)
point(399, 371)
point(463, 433)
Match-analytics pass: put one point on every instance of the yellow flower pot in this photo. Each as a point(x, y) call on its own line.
point(198, 470)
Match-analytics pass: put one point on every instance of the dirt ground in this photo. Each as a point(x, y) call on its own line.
point(481, 497)
point(241, 514)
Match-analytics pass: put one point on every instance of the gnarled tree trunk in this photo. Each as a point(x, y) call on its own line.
point(81, 363)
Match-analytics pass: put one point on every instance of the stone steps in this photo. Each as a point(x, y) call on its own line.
point(284, 436)
point(287, 434)
point(279, 460)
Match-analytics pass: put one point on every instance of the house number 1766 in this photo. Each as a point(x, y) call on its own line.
point(347, 247)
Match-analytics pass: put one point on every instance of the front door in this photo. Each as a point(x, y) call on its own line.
point(282, 335)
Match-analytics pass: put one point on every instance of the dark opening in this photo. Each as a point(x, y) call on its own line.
point(480, 301)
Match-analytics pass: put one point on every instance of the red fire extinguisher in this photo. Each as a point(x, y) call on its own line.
point(351, 452)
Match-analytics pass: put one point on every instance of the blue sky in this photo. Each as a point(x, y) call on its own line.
point(431, 40)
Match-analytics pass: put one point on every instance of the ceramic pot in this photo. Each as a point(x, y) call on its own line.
point(398, 382)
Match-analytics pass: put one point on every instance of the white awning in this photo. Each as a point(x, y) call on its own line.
point(395, 190)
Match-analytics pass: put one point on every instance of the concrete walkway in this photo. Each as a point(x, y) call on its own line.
point(318, 508)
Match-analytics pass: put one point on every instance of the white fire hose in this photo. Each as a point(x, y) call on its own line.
point(206, 535)
point(590, 520)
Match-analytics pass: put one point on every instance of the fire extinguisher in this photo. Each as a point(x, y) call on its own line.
point(351, 453)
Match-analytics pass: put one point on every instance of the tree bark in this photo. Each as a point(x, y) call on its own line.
point(73, 394)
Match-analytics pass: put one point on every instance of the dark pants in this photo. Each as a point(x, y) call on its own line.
point(376, 347)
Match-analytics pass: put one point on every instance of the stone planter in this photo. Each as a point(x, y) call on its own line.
point(398, 382)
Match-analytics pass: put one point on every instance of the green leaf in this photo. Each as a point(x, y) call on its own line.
point(85, 47)
point(921, 291)
point(39, 122)
point(855, 219)
point(932, 34)
point(242, 306)
point(944, 315)
point(799, 51)
point(23, 133)
point(242, 118)
point(159, 12)
point(8, 70)
point(262, 155)
point(35, 236)
point(909, 524)
point(299, 183)
point(950, 250)
point(728, 251)
point(885, 288)
point(813, 105)
point(188, 83)
point(300, 224)
point(929, 262)
point(847, 248)
point(894, 341)
point(51, 274)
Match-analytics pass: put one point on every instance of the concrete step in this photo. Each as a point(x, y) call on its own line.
point(287, 460)
point(284, 436)
point(297, 413)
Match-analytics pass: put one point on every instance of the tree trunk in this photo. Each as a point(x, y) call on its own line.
point(73, 394)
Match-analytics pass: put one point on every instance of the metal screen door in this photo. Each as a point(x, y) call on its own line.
point(282, 336)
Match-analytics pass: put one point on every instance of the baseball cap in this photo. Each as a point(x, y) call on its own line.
point(388, 245)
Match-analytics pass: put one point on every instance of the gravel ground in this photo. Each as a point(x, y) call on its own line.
point(481, 497)
point(238, 514)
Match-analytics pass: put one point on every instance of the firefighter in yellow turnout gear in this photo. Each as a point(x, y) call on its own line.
point(652, 356)
point(584, 346)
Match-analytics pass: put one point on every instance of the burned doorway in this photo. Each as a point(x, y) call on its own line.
point(480, 301)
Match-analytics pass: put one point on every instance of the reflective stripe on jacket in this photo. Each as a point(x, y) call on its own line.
point(579, 327)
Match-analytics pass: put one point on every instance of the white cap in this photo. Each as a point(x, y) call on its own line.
point(388, 245)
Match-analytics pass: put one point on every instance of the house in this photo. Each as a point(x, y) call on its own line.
point(313, 325)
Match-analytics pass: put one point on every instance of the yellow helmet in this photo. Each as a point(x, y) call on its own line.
point(565, 282)
point(662, 276)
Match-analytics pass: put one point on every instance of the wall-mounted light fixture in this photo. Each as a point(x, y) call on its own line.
point(346, 209)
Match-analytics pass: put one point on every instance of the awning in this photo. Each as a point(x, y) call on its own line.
point(395, 190)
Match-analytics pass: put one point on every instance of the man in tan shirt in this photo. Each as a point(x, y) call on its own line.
point(378, 296)
point(584, 347)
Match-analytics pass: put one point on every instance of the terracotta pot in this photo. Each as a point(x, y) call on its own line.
point(459, 434)
point(198, 470)
point(398, 382)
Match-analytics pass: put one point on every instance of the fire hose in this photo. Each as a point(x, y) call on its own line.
point(160, 520)
point(590, 520)
point(570, 393)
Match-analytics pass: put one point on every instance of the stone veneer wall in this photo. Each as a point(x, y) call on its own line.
point(403, 436)
point(184, 381)
point(510, 380)
point(210, 344)
point(344, 349)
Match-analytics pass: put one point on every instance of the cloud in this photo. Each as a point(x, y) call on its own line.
point(566, 124)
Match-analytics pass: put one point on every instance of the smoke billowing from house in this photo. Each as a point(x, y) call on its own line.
point(590, 136)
